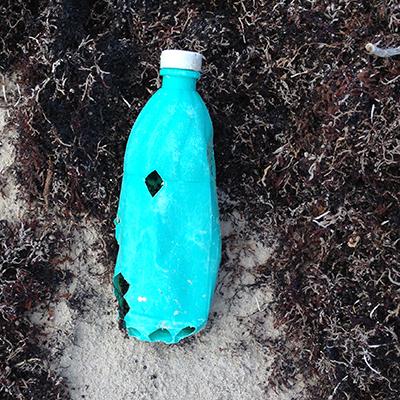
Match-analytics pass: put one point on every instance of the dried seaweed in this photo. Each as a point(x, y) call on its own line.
point(307, 144)
point(27, 279)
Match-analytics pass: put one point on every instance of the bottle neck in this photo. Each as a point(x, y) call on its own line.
point(179, 79)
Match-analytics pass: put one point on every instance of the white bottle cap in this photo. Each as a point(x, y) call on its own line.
point(181, 59)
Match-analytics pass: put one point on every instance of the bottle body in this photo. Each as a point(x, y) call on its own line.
point(167, 225)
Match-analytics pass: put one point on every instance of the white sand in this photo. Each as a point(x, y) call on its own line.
point(11, 208)
point(99, 362)
point(223, 362)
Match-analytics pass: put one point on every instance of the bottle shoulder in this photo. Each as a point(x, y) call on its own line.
point(174, 111)
point(173, 133)
point(183, 104)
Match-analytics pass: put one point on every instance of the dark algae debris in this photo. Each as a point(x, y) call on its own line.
point(306, 137)
point(27, 277)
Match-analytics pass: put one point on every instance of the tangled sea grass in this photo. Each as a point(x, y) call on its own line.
point(306, 140)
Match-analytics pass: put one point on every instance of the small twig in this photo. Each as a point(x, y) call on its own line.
point(19, 95)
point(392, 280)
point(370, 366)
point(258, 304)
point(4, 95)
point(379, 52)
point(337, 387)
point(392, 80)
point(371, 314)
point(265, 175)
point(126, 102)
point(47, 183)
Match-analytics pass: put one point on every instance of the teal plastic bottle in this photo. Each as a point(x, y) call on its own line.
point(167, 225)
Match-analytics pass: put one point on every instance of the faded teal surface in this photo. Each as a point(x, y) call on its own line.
point(169, 244)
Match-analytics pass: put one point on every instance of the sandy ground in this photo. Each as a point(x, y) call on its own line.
point(11, 207)
point(224, 362)
point(99, 362)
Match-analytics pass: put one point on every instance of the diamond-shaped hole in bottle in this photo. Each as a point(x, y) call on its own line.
point(154, 182)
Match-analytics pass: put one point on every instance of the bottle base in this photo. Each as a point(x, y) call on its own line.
point(168, 336)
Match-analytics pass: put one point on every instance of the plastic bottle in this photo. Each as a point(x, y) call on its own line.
point(167, 225)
